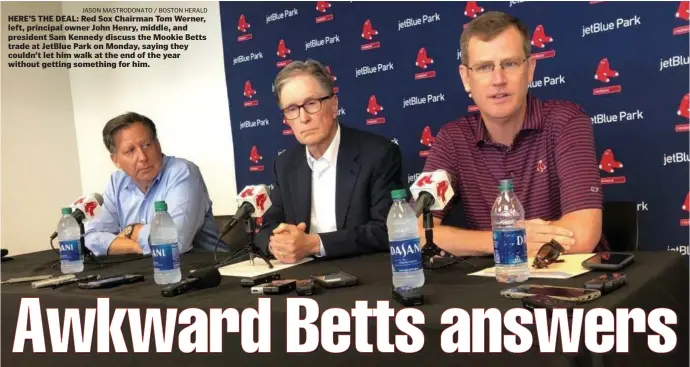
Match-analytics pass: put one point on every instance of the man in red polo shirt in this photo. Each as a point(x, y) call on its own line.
point(545, 147)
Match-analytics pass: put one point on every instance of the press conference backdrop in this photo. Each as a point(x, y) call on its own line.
point(395, 66)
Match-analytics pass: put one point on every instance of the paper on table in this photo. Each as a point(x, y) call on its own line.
point(571, 267)
point(245, 269)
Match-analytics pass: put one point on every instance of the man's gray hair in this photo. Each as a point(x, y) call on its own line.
point(309, 67)
point(120, 122)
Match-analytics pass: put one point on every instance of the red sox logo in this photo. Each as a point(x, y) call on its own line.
point(90, 207)
point(333, 77)
point(604, 71)
point(283, 51)
point(472, 9)
point(422, 59)
point(368, 31)
point(686, 203)
point(541, 167)
point(683, 11)
point(254, 155)
point(373, 107)
point(249, 92)
point(242, 25)
point(608, 163)
point(249, 191)
point(322, 6)
point(540, 39)
point(79, 201)
point(424, 180)
point(427, 139)
point(261, 200)
point(441, 189)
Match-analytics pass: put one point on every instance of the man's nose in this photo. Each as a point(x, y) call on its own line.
point(498, 75)
point(141, 155)
point(304, 116)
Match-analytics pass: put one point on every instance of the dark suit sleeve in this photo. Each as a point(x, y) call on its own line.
point(274, 215)
point(372, 236)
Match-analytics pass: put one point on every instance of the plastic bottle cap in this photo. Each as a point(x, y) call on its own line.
point(161, 206)
point(505, 185)
point(67, 211)
point(398, 194)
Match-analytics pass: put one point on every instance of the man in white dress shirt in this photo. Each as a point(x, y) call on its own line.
point(332, 191)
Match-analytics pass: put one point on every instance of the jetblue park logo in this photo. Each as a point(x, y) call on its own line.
point(322, 42)
point(622, 116)
point(373, 69)
point(679, 157)
point(674, 61)
point(282, 15)
point(601, 27)
point(428, 99)
point(247, 58)
point(414, 22)
point(548, 81)
point(253, 123)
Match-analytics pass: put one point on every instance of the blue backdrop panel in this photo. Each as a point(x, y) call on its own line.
point(625, 63)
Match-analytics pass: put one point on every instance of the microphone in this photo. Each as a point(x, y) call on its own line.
point(84, 208)
point(198, 279)
point(432, 191)
point(253, 201)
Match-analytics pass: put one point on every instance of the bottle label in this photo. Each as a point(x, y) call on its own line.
point(165, 256)
point(406, 255)
point(70, 250)
point(510, 247)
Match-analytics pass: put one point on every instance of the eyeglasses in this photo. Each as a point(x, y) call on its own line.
point(312, 106)
point(487, 68)
point(548, 254)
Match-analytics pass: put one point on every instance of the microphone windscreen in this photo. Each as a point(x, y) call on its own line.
point(99, 198)
point(208, 277)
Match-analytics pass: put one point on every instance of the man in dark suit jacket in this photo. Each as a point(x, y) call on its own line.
point(332, 192)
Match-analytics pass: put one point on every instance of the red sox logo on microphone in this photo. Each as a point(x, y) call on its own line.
point(261, 200)
point(683, 13)
point(249, 92)
point(243, 26)
point(249, 191)
point(373, 107)
point(441, 189)
point(604, 73)
point(90, 207)
point(424, 180)
point(609, 164)
point(368, 33)
point(323, 6)
point(282, 52)
point(423, 61)
point(540, 39)
point(255, 157)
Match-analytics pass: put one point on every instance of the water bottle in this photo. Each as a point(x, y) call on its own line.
point(69, 238)
point(406, 251)
point(164, 248)
point(510, 248)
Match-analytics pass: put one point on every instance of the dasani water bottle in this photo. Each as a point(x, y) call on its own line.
point(164, 246)
point(510, 248)
point(69, 237)
point(406, 251)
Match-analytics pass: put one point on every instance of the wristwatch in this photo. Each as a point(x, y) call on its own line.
point(129, 231)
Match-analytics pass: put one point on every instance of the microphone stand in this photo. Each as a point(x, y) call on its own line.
point(251, 247)
point(430, 250)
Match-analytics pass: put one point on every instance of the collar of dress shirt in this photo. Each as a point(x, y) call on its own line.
point(330, 154)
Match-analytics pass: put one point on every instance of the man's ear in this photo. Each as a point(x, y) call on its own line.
point(462, 69)
point(113, 158)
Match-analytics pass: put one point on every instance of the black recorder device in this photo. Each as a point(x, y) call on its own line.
point(607, 283)
point(335, 280)
point(261, 279)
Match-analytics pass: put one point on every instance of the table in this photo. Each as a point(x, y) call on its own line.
point(656, 279)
